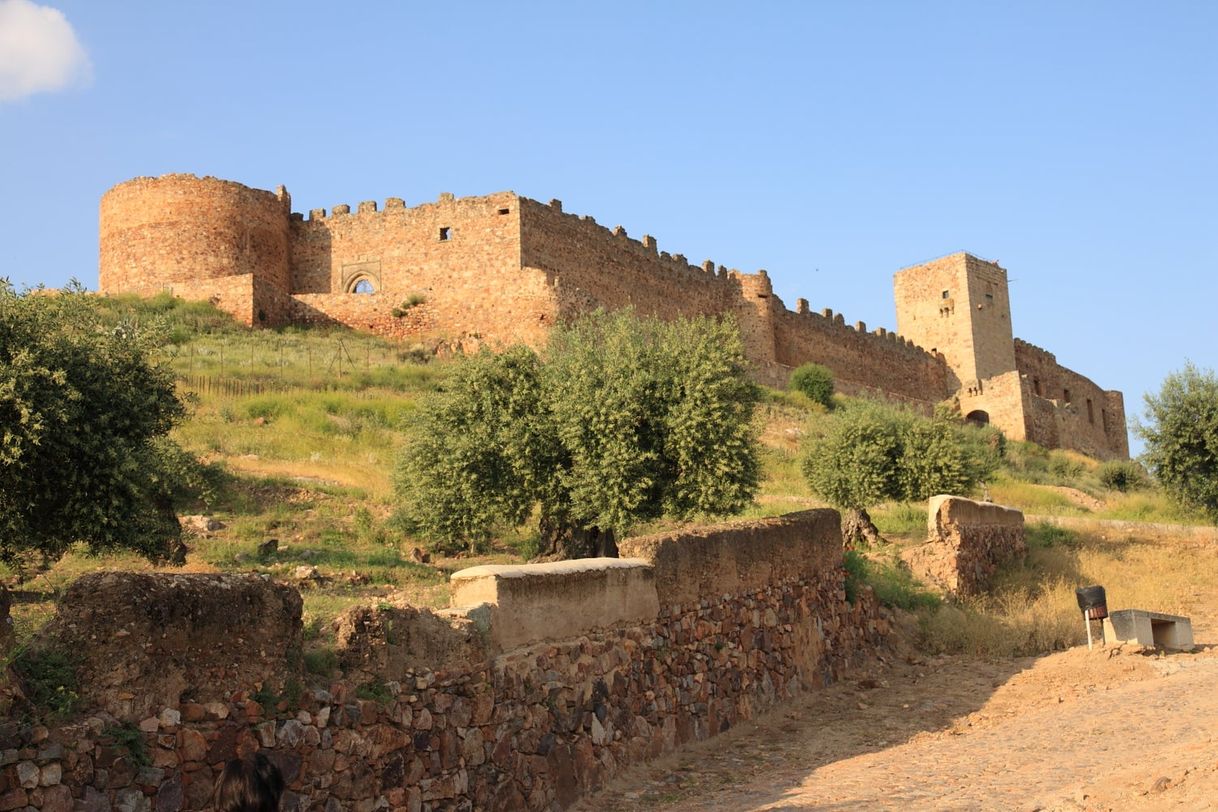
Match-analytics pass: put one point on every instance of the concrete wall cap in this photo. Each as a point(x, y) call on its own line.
point(552, 568)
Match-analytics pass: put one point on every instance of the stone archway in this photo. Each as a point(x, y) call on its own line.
point(977, 417)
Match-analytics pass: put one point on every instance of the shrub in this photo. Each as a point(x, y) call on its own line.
point(1182, 438)
point(815, 381)
point(1122, 475)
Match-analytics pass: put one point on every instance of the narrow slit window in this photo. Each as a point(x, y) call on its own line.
point(1066, 395)
point(947, 294)
point(1036, 386)
point(1090, 412)
point(504, 211)
point(446, 233)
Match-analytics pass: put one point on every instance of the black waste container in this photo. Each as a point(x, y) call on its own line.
point(1093, 601)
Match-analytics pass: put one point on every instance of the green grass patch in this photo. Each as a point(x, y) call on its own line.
point(49, 680)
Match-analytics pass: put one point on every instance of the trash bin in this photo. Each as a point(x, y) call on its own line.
point(1093, 601)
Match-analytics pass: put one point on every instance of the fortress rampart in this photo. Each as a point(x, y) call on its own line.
point(503, 269)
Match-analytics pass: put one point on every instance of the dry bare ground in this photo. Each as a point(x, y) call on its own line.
point(1110, 729)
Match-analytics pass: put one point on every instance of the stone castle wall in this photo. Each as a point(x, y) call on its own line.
point(181, 233)
point(503, 269)
point(1068, 409)
point(460, 256)
point(481, 707)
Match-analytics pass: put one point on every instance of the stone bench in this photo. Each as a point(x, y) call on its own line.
point(1149, 629)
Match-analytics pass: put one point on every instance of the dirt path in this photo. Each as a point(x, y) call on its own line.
point(1076, 730)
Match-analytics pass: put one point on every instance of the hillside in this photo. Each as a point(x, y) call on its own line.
point(301, 428)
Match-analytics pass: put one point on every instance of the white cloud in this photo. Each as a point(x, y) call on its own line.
point(38, 51)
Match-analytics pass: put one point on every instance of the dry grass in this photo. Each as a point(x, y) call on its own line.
point(1032, 609)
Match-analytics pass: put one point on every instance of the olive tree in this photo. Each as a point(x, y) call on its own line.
point(869, 453)
point(1181, 434)
point(623, 420)
point(84, 419)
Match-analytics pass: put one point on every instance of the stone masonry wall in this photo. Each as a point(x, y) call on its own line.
point(461, 256)
point(749, 614)
point(1079, 414)
point(868, 364)
point(179, 230)
point(967, 543)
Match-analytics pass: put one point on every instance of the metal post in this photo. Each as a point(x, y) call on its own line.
point(1087, 623)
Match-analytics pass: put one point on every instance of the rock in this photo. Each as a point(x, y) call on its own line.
point(50, 775)
point(420, 555)
point(201, 525)
point(170, 718)
point(28, 774)
point(268, 548)
point(57, 799)
point(193, 744)
point(13, 799)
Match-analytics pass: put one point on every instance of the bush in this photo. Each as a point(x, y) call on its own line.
point(1122, 475)
point(871, 453)
point(815, 381)
point(1182, 438)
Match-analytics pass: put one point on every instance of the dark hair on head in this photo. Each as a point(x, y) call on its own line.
point(249, 785)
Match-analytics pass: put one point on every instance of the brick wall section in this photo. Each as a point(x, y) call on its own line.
point(529, 728)
point(967, 543)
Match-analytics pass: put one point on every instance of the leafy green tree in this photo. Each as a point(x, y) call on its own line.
point(815, 381)
point(480, 452)
point(1181, 434)
point(84, 414)
point(625, 421)
point(870, 453)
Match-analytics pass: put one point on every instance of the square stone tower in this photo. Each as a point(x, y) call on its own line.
point(958, 305)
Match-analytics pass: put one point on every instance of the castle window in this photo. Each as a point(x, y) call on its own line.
point(1104, 418)
point(504, 211)
point(363, 286)
point(947, 294)
point(1066, 395)
point(1036, 386)
point(989, 298)
point(446, 233)
point(1090, 412)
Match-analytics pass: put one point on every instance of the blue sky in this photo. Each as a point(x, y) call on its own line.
point(1076, 143)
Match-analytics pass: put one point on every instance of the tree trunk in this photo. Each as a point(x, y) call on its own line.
point(561, 540)
point(858, 530)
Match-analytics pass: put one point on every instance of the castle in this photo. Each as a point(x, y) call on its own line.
point(502, 269)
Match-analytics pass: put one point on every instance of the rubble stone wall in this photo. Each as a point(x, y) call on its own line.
point(761, 616)
point(967, 543)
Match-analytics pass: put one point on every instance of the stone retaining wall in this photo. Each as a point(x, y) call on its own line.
point(438, 710)
point(967, 543)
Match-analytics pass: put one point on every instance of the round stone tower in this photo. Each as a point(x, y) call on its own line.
point(192, 236)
